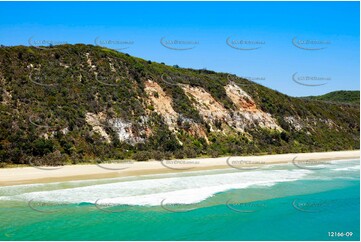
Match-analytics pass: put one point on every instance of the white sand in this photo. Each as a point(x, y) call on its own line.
point(26, 175)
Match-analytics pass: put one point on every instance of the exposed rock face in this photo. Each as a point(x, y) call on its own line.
point(248, 114)
point(126, 132)
point(211, 110)
point(162, 103)
point(82, 99)
point(96, 120)
point(298, 124)
point(214, 113)
point(295, 122)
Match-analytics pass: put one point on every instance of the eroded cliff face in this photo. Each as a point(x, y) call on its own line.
point(162, 103)
point(210, 110)
point(225, 121)
point(247, 113)
point(74, 97)
point(96, 121)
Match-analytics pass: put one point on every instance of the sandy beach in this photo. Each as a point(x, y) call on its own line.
point(28, 175)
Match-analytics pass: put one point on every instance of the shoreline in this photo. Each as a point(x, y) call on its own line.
point(32, 175)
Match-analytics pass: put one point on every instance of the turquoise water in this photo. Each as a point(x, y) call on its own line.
point(281, 202)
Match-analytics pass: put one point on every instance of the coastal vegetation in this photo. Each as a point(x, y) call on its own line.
point(69, 104)
point(352, 97)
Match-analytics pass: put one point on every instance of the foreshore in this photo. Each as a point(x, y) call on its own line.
point(30, 175)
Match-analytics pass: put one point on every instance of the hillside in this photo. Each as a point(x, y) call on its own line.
point(352, 97)
point(76, 103)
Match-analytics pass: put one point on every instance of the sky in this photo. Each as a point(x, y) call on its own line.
point(297, 48)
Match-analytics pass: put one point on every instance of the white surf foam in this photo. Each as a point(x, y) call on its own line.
point(350, 168)
point(153, 192)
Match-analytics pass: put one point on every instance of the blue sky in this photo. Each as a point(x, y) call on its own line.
point(278, 36)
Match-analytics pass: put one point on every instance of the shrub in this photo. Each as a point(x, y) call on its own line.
point(151, 107)
point(42, 147)
point(179, 154)
point(158, 155)
point(52, 159)
point(142, 156)
point(168, 155)
point(214, 153)
point(190, 153)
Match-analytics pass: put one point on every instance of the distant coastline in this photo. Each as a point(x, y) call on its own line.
point(31, 175)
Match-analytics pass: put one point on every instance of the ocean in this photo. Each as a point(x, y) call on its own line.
point(275, 202)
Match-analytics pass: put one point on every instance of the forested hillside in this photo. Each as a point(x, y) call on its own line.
point(82, 103)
